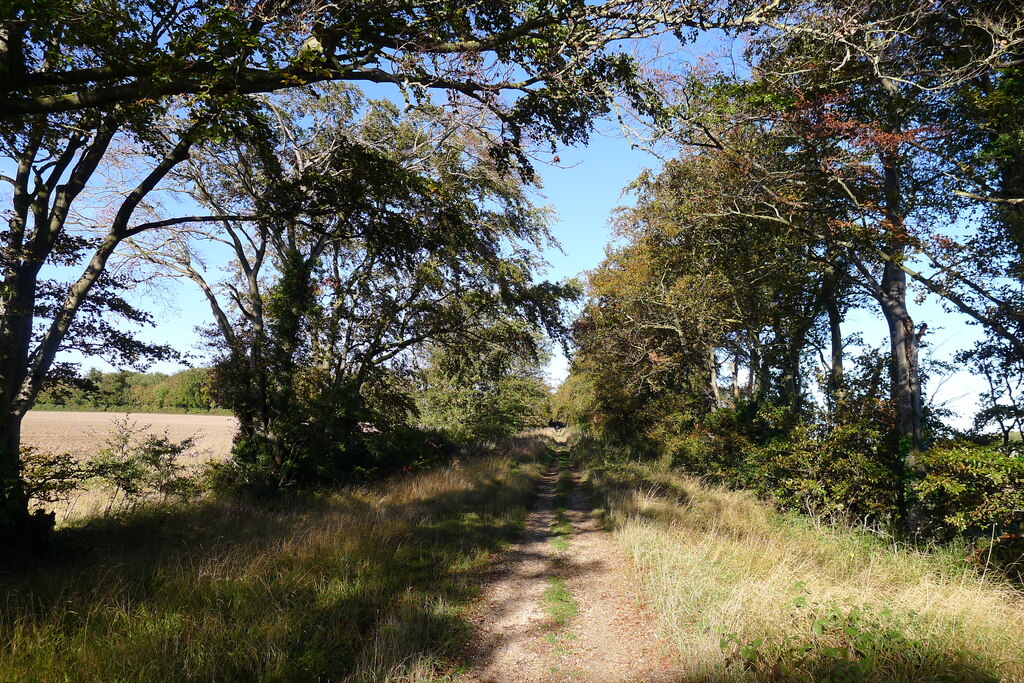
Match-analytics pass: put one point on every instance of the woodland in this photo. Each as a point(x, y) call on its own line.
point(351, 190)
point(376, 250)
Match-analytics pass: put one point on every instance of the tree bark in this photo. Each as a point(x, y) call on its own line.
point(716, 394)
point(834, 384)
point(14, 517)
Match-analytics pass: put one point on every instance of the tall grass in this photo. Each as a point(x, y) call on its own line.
point(746, 593)
point(358, 584)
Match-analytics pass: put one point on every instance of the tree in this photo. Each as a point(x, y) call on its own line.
point(75, 80)
point(378, 234)
point(488, 386)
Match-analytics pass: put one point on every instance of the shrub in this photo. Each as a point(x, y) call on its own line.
point(967, 488)
point(51, 477)
point(137, 464)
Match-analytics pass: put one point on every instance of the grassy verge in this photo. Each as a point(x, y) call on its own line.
point(747, 593)
point(362, 584)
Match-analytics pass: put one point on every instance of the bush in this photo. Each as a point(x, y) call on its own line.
point(972, 489)
point(137, 464)
point(50, 477)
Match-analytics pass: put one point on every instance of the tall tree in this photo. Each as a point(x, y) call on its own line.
point(376, 234)
point(78, 76)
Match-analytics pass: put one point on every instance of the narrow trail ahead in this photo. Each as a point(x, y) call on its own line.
point(611, 638)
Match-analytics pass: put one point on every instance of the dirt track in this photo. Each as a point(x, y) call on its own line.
point(611, 639)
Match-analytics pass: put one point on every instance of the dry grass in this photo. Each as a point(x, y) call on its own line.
point(360, 584)
point(746, 593)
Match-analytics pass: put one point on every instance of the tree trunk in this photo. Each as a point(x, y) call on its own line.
point(735, 380)
point(903, 337)
point(18, 529)
point(834, 383)
point(716, 394)
point(903, 369)
point(756, 382)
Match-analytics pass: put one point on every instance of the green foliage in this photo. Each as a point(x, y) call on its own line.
point(421, 246)
point(836, 470)
point(52, 477)
point(137, 465)
point(483, 389)
point(970, 488)
point(185, 391)
point(844, 642)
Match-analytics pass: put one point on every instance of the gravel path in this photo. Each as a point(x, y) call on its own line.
point(611, 639)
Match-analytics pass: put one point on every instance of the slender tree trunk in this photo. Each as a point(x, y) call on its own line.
point(735, 380)
point(834, 383)
point(756, 381)
point(716, 394)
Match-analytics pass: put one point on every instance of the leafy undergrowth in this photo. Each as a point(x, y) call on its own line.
point(362, 583)
point(747, 593)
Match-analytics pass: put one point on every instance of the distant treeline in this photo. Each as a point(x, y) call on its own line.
point(185, 391)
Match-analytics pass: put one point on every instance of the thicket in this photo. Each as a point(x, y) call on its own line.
point(126, 391)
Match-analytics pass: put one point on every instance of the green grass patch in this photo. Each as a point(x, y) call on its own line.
point(559, 604)
point(561, 527)
point(564, 483)
point(351, 584)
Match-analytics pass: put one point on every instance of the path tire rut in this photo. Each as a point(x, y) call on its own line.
point(612, 638)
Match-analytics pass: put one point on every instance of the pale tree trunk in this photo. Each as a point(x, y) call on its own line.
point(735, 380)
point(716, 394)
point(834, 382)
point(756, 380)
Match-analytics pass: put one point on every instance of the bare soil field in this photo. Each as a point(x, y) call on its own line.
point(84, 434)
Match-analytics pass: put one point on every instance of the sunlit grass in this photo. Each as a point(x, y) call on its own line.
point(559, 604)
point(746, 593)
point(360, 583)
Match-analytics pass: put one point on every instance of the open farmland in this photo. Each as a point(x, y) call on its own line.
point(84, 434)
